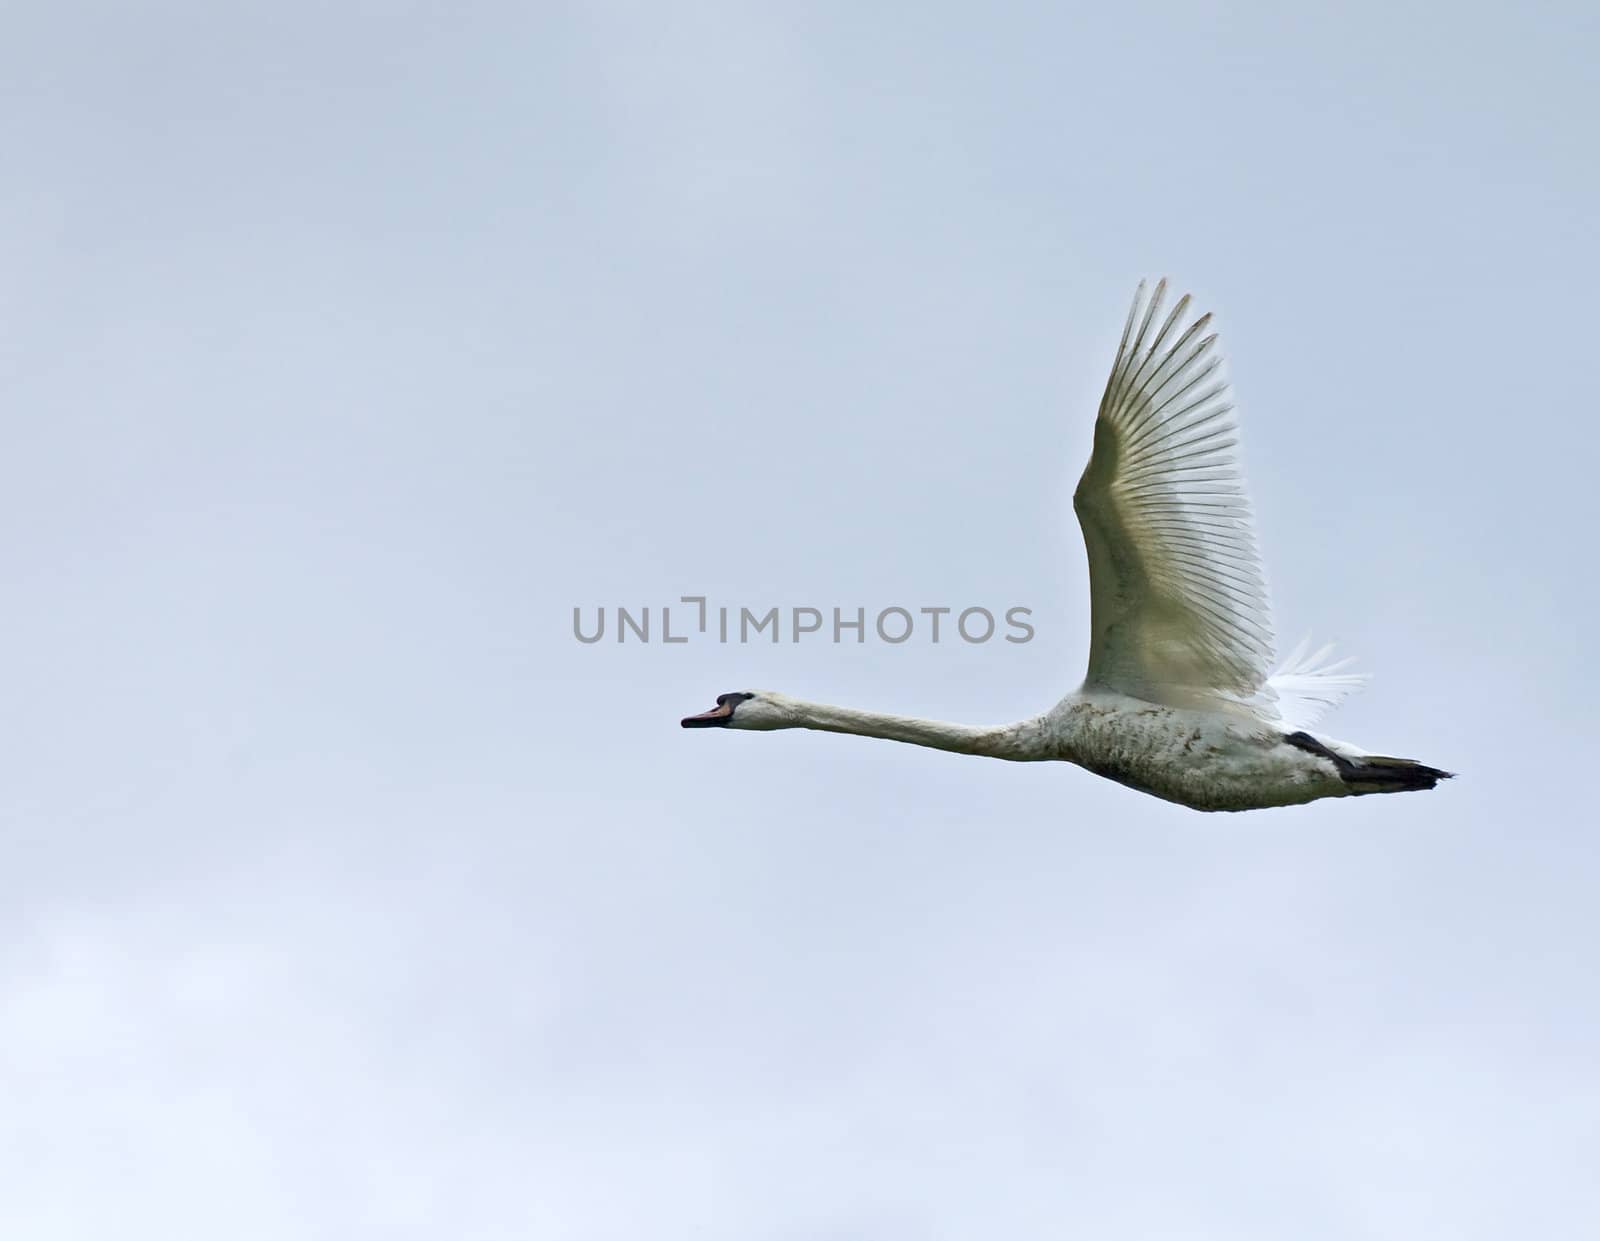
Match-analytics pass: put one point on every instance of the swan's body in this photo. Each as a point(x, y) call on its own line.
point(1181, 700)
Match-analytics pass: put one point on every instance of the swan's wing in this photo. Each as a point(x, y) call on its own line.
point(1307, 685)
point(1180, 611)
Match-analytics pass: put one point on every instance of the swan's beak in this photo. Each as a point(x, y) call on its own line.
point(717, 717)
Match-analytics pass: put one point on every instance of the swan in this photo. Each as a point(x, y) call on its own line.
point(1182, 699)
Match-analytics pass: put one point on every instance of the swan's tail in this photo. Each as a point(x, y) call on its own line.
point(1372, 773)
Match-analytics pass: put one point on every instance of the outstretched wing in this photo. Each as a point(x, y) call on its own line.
point(1306, 686)
point(1180, 612)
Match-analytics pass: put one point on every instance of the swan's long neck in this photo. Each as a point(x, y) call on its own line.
point(1020, 742)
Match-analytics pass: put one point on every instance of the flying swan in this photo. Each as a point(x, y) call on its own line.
point(1181, 700)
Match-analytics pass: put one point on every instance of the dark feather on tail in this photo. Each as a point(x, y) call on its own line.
point(1373, 773)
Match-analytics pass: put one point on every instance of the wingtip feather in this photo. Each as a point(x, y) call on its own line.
point(1305, 687)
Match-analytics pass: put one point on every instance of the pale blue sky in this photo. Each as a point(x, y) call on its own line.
point(344, 349)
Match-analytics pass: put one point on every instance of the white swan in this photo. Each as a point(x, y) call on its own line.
point(1180, 700)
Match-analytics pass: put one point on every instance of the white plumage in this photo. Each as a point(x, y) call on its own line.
point(1182, 699)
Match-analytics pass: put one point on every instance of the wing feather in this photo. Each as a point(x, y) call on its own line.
point(1306, 686)
point(1178, 595)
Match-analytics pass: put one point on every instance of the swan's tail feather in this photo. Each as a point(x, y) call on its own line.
point(1373, 773)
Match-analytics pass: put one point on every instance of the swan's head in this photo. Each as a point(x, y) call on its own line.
point(745, 709)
